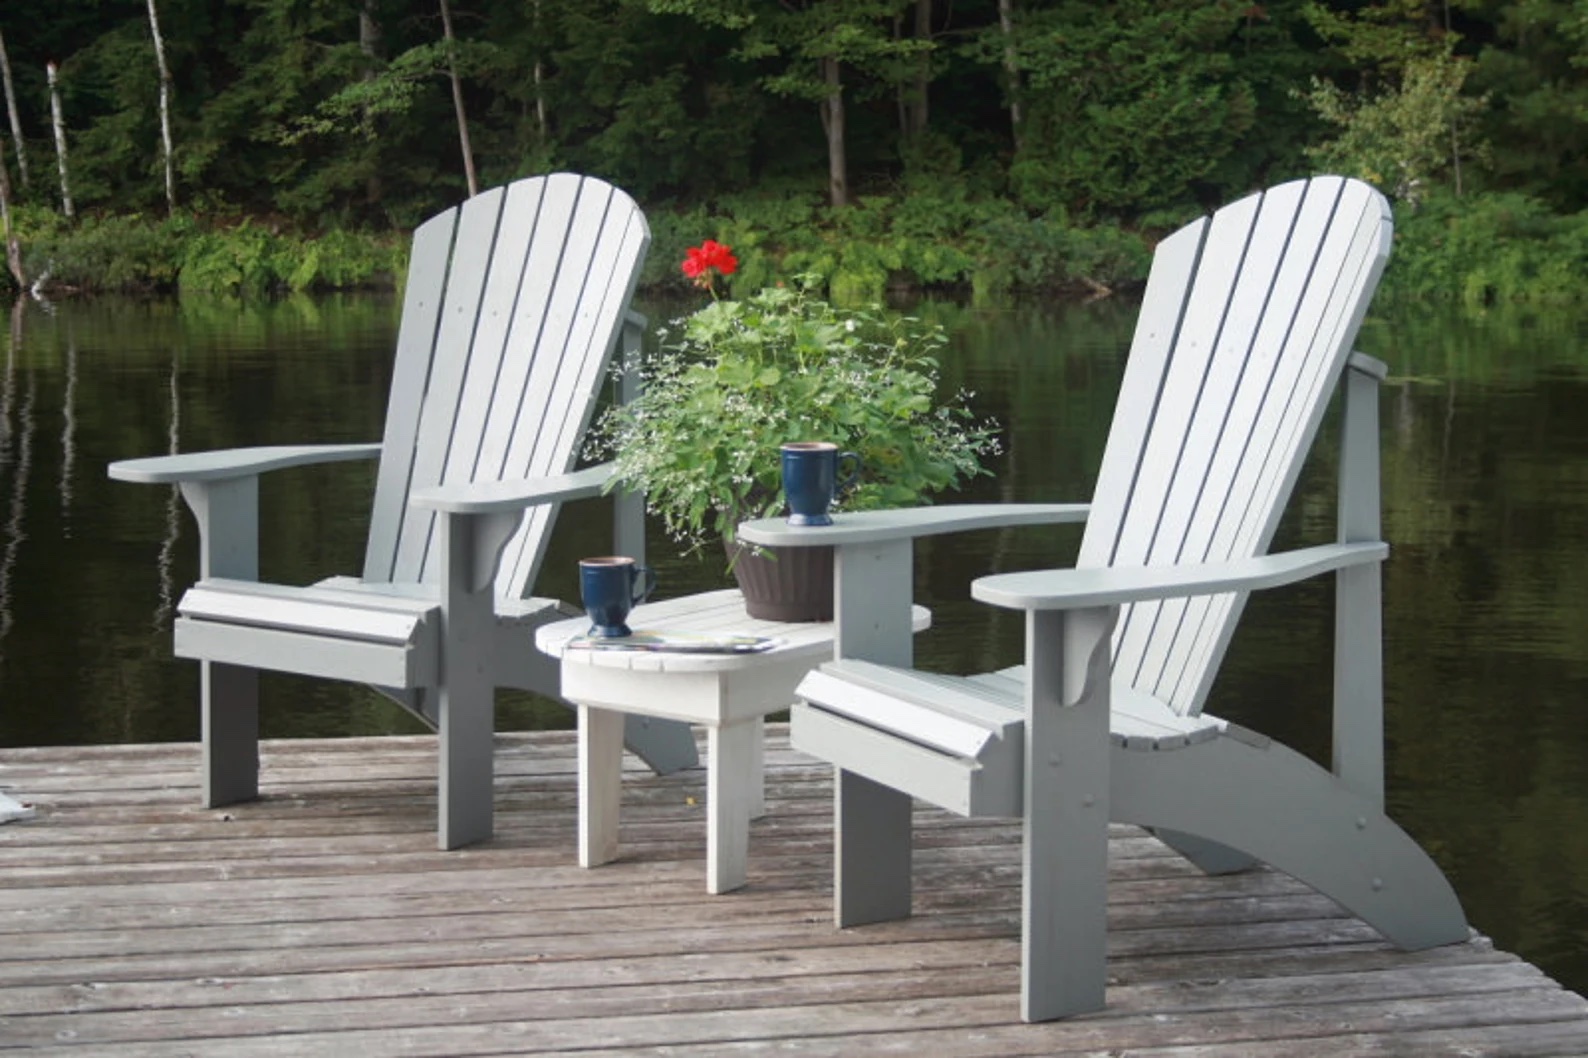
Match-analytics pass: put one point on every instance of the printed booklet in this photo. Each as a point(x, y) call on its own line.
point(658, 641)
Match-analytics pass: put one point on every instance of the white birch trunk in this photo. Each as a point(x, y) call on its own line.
point(13, 251)
point(165, 109)
point(59, 124)
point(11, 112)
point(457, 99)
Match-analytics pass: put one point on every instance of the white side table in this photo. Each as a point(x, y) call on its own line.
point(730, 694)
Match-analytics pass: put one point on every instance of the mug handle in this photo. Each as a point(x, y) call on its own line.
point(644, 583)
point(846, 480)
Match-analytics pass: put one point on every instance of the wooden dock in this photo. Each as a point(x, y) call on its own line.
point(321, 921)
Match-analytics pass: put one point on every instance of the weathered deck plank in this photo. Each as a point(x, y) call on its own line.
point(322, 921)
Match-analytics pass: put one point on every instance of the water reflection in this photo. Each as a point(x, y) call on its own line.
point(1486, 507)
point(15, 530)
point(166, 563)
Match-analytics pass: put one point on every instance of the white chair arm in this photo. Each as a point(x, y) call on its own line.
point(1073, 589)
point(495, 497)
point(869, 527)
point(229, 463)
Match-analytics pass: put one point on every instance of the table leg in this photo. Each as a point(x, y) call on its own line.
point(600, 784)
point(730, 792)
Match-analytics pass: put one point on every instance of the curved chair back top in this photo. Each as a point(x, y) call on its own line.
point(513, 304)
point(1247, 321)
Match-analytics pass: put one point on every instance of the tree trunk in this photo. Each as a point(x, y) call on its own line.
point(901, 95)
point(540, 83)
point(369, 38)
point(11, 112)
point(60, 137)
point(919, 110)
point(832, 109)
point(13, 251)
point(1006, 22)
point(1455, 132)
point(912, 97)
point(457, 99)
point(165, 109)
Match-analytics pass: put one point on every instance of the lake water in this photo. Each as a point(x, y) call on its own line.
point(1486, 509)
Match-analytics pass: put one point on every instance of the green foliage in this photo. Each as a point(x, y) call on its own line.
point(139, 253)
point(100, 253)
point(738, 378)
point(1381, 37)
point(329, 115)
point(248, 259)
point(1404, 139)
point(1534, 74)
point(941, 240)
point(1125, 112)
point(1488, 248)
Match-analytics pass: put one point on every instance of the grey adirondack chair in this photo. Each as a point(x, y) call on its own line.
point(1245, 329)
point(513, 305)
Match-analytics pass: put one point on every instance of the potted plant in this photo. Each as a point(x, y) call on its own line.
point(737, 378)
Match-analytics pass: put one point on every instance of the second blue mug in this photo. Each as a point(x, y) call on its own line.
point(814, 473)
point(610, 586)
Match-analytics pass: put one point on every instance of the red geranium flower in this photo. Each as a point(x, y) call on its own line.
point(708, 258)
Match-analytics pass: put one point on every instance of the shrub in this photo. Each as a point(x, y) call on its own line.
point(1488, 248)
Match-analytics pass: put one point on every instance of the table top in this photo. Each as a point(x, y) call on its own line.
point(706, 613)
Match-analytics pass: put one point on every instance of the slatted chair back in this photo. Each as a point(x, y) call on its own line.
point(1246, 322)
point(513, 303)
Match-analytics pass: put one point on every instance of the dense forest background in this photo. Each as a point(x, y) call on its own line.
point(991, 144)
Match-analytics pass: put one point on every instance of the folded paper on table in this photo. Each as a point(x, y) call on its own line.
point(659, 641)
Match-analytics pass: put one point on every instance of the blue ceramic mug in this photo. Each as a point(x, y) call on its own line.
point(814, 472)
point(610, 586)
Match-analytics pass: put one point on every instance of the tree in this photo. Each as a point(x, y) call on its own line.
point(11, 112)
point(1532, 63)
point(13, 250)
point(1011, 66)
point(1407, 124)
point(1124, 113)
point(1402, 138)
point(814, 45)
point(457, 98)
point(391, 91)
point(58, 123)
point(285, 58)
point(165, 108)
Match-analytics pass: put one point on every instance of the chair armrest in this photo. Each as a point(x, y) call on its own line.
point(1072, 589)
point(869, 527)
point(233, 462)
point(494, 497)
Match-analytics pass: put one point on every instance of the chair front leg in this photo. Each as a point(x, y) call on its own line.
point(227, 513)
point(1064, 920)
point(471, 547)
point(871, 822)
